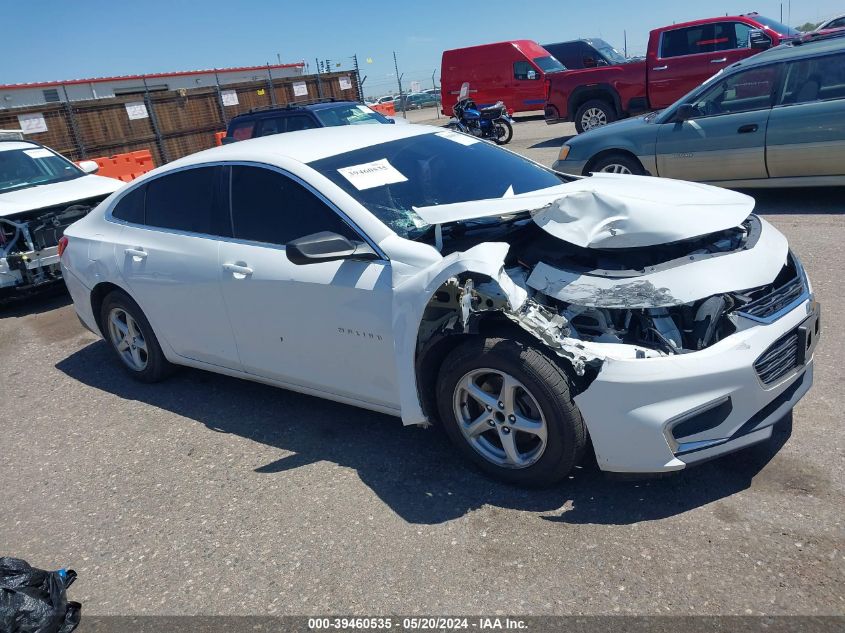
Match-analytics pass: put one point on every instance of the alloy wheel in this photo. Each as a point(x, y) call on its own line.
point(500, 418)
point(593, 118)
point(128, 340)
point(616, 168)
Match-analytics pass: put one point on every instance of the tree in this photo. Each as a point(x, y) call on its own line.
point(806, 28)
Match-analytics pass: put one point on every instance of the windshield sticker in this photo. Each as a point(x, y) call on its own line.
point(369, 175)
point(462, 139)
point(38, 153)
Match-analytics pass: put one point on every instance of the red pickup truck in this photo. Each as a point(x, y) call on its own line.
point(679, 58)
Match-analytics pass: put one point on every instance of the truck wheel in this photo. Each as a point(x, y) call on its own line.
point(617, 164)
point(508, 408)
point(592, 114)
point(132, 339)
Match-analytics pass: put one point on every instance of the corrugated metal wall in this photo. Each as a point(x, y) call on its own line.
point(179, 122)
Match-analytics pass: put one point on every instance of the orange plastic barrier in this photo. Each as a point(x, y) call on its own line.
point(218, 138)
point(125, 167)
point(388, 108)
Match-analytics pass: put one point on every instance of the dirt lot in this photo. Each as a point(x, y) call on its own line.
point(208, 494)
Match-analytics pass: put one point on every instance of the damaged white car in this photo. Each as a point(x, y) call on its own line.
point(41, 193)
point(433, 276)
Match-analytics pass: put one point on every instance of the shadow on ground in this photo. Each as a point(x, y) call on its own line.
point(552, 142)
point(56, 296)
point(798, 200)
point(416, 472)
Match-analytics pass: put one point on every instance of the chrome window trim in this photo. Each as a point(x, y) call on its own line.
point(222, 238)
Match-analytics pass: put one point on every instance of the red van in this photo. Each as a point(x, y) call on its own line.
point(513, 72)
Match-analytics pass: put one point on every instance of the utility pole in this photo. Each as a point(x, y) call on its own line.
point(434, 87)
point(319, 81)
point(360, 84)
point(399, 81)
point(625, 43)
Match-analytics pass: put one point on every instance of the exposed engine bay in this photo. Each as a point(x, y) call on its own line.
point(577, 297)
point(28, 241)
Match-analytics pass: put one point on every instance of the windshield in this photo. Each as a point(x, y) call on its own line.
point(430, 169)
point(348, 114)
point(22, 168)
point(776, 26)
point(608, 52)
point(549, 64)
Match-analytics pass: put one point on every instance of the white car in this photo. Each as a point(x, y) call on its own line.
point(41, 193)
point(433, 276)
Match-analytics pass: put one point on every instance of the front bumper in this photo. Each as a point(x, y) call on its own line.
point(574, 167)
point(631, 407)
point(25, 271)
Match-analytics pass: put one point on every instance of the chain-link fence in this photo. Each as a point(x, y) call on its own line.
point(168, 123)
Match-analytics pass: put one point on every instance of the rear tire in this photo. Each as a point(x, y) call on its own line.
point(617, 164)
point(592, 114)
point(131, 338)
point(507, 135)
point(500, 399)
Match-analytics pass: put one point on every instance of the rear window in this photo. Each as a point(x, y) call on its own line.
point(549, 64)
point(130, 208)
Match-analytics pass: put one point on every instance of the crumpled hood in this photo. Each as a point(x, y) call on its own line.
point(56, 193)
point(614, 210)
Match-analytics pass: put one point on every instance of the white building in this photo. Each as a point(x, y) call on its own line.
point(16, 95)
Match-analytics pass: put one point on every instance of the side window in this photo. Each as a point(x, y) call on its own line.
point(524, 70)
point(816, 79)
point(130, 207)
point(270, 207)
point(836, 24)
point(742, 33)
point(299, 122)
point(724, 38)
point(243, 131)
point(693, 40)
point(752, 89)
point(271, 126)
point(188, 200)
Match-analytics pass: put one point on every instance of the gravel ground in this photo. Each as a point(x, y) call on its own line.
point(213, 495)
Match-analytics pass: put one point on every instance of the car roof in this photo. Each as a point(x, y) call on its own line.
point(793, 50)
point(6, 146)
point(292, 108)
point(306, 146)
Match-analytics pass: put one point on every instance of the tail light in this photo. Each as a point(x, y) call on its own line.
point(63, 241)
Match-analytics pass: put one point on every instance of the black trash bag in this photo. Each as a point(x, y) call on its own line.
point(34, 601)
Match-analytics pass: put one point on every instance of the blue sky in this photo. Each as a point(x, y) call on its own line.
point(69, 40)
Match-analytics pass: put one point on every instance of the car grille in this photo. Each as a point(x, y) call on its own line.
point(779, 359)
point(776, 300)
point(765, 307)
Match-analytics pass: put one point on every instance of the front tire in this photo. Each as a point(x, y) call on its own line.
point(131, 338)
point(507, 407)
point(592, 114)
point(504, 132)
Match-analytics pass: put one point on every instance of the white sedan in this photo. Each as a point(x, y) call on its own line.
point(432, 276)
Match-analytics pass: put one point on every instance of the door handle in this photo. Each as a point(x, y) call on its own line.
point(136, 253)
point(660, 67)
point(238, 269)
point(746, 129)
point(718, 61)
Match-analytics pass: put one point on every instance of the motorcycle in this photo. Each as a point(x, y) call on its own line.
point(491, 122)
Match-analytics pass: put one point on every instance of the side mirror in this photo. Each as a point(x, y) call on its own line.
point(326, 247)
point(758, 40)
point(226, 140)
point(89, 166)
point(685, 112)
